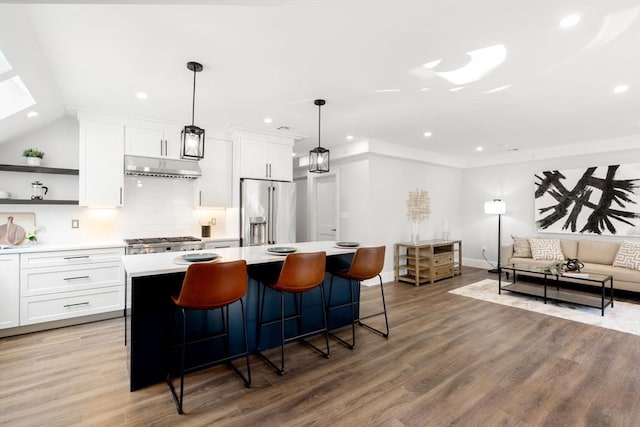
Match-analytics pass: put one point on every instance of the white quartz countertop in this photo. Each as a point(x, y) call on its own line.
point(166, 262)
point(50, 247)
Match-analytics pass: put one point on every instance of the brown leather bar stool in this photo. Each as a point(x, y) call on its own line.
point(301, 272)
point(367, 263)
point(211, 286)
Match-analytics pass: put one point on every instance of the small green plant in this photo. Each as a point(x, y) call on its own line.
point(30, 152)
point(556, 268)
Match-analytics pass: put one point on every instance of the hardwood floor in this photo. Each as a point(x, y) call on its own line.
point(450, 360)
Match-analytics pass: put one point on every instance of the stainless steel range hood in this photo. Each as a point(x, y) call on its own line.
point(169, 168)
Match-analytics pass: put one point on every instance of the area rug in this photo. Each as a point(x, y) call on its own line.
point(623, 317)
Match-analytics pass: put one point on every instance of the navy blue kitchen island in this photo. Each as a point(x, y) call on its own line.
point(153, 323)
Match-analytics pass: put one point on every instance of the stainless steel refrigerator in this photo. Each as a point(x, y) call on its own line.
point(267, 212)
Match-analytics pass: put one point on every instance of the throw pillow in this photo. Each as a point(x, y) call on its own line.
point(628, 256)
point(546, 249)
point(521, 247)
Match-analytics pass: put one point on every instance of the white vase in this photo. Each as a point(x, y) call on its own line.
point(34, 161)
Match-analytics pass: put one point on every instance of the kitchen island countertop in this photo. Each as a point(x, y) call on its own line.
point(164, 263)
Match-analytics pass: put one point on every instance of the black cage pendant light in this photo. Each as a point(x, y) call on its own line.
point(319, 157)
point(192, 138)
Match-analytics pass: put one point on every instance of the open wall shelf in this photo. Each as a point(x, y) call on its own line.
point(39, 169)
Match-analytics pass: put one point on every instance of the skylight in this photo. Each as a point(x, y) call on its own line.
point(14, 97)
point(4, 64)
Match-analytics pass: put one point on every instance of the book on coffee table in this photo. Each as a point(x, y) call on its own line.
point(576, 275)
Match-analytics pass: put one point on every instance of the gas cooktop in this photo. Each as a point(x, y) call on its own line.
point(156, 240)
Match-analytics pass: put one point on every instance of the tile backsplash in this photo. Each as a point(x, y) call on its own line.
point(153, 206)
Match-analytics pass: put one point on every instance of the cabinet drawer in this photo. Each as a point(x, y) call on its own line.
point(86, 256)
point(443, 259)
point(45, 308)
point(443, 271)
point(40, 281)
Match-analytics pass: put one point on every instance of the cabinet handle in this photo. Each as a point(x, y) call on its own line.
point(76, 257)
point(200, 197)
point(161, 148)
point(269, 170)
point(120, 195)
point(266, 170)
point(166, 148)
point(76, 277)
point(74, 305)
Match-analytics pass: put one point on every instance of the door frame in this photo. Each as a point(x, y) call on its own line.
point(312, 201)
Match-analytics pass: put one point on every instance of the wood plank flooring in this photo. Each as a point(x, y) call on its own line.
point(450, 360)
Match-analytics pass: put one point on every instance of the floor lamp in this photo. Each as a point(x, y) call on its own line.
point(496, 207)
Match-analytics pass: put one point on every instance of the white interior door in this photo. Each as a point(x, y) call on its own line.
point(326, 218)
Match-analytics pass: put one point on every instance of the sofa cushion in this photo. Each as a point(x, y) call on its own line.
point(521, 247)
point(628, 256)
point(546, 249)
point(597, 252)
point(569, 248)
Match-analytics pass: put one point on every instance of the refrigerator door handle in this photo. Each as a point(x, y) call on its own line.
point(274, 215)
point(269, 217)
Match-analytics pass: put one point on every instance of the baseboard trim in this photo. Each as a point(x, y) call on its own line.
point(27, 329)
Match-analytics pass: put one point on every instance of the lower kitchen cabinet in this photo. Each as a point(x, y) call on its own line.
point(9, 290)
point(40, 287)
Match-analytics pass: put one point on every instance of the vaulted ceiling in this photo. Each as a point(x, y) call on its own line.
point(502, 75)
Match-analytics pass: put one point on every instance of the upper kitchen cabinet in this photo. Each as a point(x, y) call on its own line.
point(214, 188)
point(264, 156)
point(101, 161)
point(152, 140)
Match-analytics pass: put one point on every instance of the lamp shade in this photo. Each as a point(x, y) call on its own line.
point(495, 207)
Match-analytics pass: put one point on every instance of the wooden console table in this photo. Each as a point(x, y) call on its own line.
point(427, 261)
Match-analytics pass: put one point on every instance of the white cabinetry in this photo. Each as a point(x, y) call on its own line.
point(153, 140)
point(66, 284)
point(9, 290)
point(231, 243)
point(101, 162)
point(214, 188)
point(266, 160)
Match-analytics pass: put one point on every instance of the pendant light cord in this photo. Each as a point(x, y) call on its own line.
point(193, 102)
point(319, 112)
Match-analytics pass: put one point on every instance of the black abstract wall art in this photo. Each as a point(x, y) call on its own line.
point(595, 200)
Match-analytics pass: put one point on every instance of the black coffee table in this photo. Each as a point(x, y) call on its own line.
point(551, 288)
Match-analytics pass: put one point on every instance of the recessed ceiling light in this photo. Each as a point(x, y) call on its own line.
point(620, 88)
point(268, 120)
point(479, 148)
point(349, 137)
point(424, 89)
point(569, 21)
point(32, 114)
point(497, 89)
point(456, 89)
point(432, 64)
point(427, 134)
point(293, 154)
point(141, 95)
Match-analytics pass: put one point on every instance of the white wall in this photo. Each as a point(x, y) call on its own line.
point(514, 184)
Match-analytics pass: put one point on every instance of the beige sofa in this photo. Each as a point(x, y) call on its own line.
point(596, 256)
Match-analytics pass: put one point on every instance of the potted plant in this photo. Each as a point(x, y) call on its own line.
point(34, 157)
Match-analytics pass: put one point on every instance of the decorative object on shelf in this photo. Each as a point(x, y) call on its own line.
point(34, 156)
point(38, 190)
point(192, 138)
point(496, 207)
point(598, 200)
point(445, 230)
point(418, 209)
point(319, 156)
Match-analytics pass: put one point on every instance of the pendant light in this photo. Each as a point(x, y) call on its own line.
point(319, 157)
point(192, 138)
